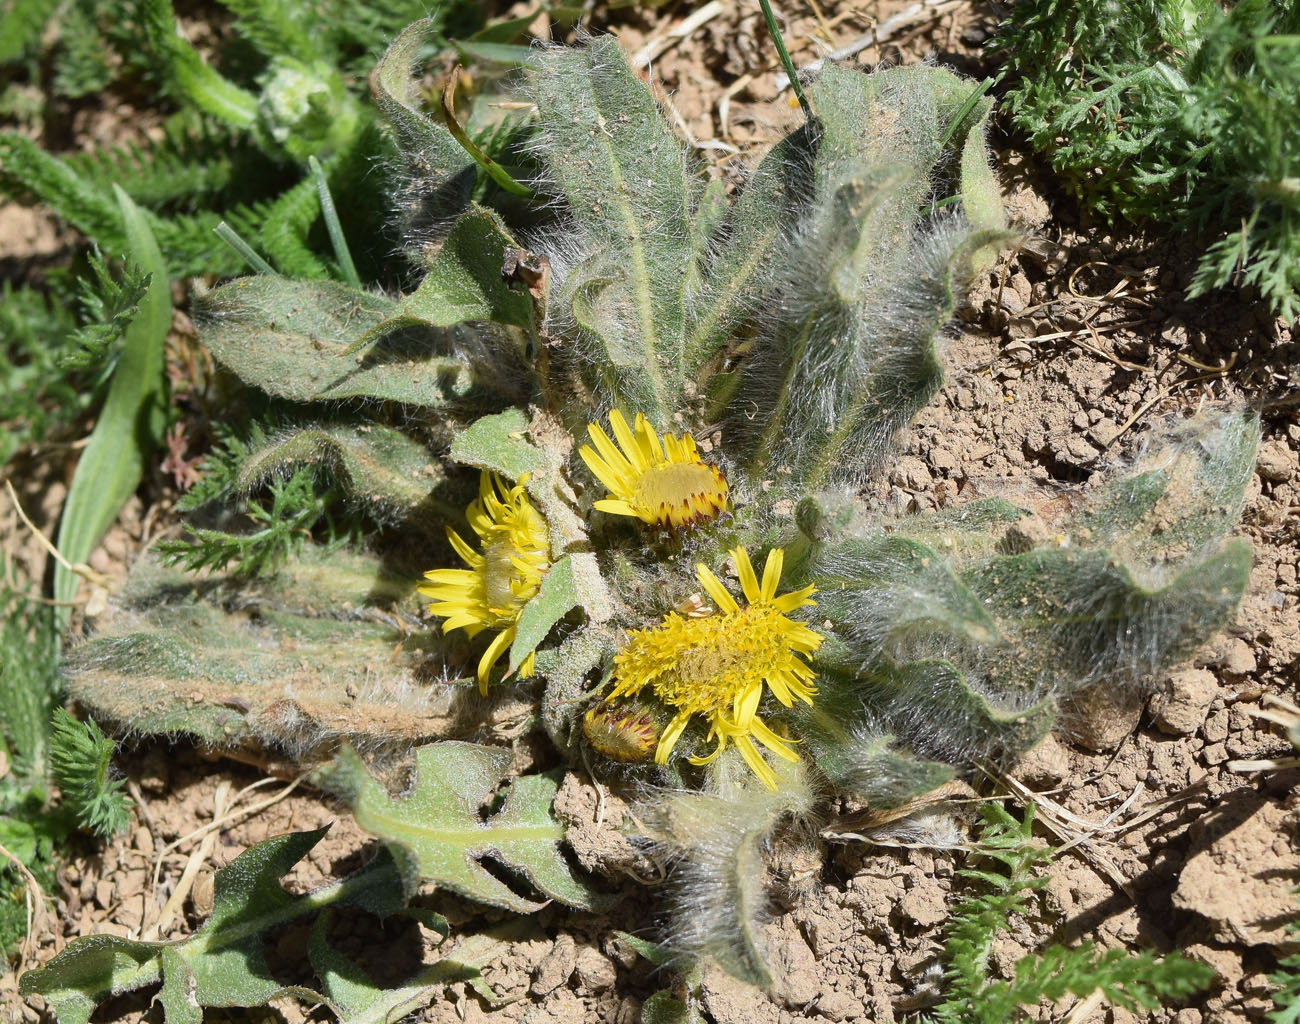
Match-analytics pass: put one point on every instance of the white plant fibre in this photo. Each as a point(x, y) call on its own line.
point(1023, 631)
point(716, 841)
point(853, 367)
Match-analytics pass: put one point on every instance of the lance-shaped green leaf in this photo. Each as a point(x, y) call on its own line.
point(132, 419)
point(222, 964)
point(289, 339)
point(329, 651)
point(445, 170)
point(763, 219)
point(632, 195)
point(572, 582)
point(565, 669)
point(392, 474)
point(1082, 616)
point(718, 838)
point(437, 835)
point(1187, 489)
point(899, 342)
point(847, 356)
point(464, 282)
point(863, 369)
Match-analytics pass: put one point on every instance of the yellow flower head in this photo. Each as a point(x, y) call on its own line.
point(501, 579)
point(661, 482)
point(716, 665)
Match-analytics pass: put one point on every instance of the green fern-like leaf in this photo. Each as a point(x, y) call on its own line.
point(297, 504)
point(1286, 997)
point(29, 682)
point(81, 758)
point(37, 396)
point(1128, 981)
point(194, 164)
point(108, 306)
point(21, 22)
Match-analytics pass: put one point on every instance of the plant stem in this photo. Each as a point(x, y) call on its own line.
point(784, 54)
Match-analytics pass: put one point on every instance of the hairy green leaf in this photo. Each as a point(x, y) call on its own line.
point(289, 338)
point(632, 196)
point(851, 750)
point(380, 467)
point(359, 999)
point(436, 833)
point(763, 218)
point(446, 170)
point(720, 835)
point(1082, 616)
point(847, 354)
point(463, 282)
point(572, 582)
point(663, 1008)
point(287, 663)
point(510, 444)
point(1187, 490)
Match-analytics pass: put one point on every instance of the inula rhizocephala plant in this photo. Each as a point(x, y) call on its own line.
point(643, 413)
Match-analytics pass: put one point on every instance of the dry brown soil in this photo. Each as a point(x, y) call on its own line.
point(1073, 345)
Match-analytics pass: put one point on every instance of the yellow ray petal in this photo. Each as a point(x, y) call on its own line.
point(755, 761)
point(772, 573)
point(745, 570)
point(722, 599)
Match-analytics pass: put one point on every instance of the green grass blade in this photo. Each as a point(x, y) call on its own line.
point(232, 238)
point(332, 225)
point(775, 32)
point(132, 418)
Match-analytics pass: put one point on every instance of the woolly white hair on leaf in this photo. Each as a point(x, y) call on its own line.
point(716, 840)
point(854, 749)
point(970, 662)
point(623, 259)
point(434, 177)
point(841, 379)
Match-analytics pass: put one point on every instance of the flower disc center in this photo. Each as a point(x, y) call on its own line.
point(674, 484)
point(500, 577)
